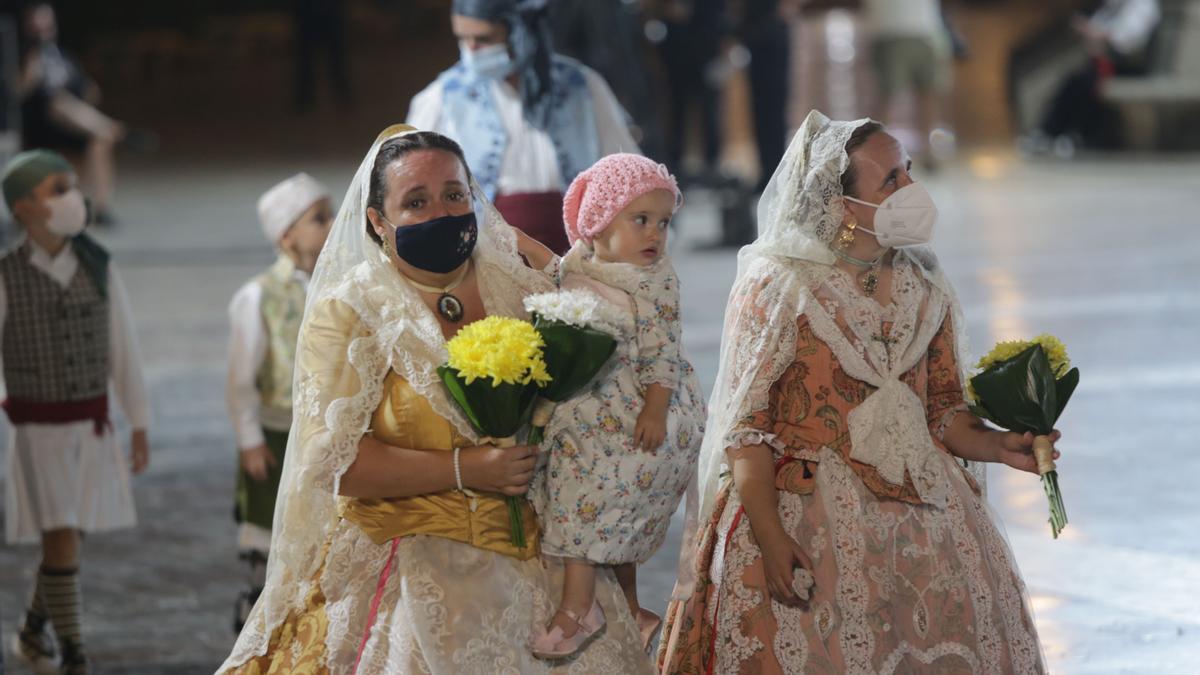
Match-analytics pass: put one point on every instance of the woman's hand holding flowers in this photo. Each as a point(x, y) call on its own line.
point(505, 471)
point(1016, 450)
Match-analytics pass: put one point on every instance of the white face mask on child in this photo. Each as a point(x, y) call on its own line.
point(68, 213)
point(905, 218)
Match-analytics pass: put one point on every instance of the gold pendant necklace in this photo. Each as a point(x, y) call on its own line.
point(868, 279)
point(449, 307)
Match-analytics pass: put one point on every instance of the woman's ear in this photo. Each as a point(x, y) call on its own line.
point(377, 223)
point(847, 214)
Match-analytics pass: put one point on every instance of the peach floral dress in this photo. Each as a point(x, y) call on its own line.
point(901, 585)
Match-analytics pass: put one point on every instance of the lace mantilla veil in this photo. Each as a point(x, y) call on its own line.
point(396, 332)
point(799, 214)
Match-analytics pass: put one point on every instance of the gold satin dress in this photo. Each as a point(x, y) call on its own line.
point(403, 419)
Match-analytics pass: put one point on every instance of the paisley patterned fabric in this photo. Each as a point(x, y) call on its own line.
point(902, 585)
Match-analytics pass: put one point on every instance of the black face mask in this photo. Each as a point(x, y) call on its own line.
point(440, 245)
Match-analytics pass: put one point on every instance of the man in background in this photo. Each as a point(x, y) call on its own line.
point(529, 120)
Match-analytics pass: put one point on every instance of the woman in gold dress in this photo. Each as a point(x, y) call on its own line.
point(380, 561)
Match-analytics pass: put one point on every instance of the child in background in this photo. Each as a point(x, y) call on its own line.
point(67, 336)
point(265, 317)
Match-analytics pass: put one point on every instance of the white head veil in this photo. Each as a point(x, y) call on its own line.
point(396, 331)
point(798, 218)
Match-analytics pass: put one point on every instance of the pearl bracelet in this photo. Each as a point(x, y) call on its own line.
point(457, 470)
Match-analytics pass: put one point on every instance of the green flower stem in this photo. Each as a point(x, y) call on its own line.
point(536, 436)
point(516, 522)
point(1058, 512)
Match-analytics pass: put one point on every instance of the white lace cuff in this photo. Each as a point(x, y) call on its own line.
point(745, 438)
point(938, 427)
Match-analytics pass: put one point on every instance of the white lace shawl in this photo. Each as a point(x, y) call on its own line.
point(785, 274)
point(395, 331)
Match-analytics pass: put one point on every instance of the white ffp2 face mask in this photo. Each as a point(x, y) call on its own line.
point(68, 213)
point(489, 63)
point(905, 218)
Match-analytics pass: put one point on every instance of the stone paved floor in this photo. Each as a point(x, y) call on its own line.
point(1101, 252)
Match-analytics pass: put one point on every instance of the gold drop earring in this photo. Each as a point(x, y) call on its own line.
point(846, 236)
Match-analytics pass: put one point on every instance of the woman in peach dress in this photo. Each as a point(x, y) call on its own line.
point(840, 527)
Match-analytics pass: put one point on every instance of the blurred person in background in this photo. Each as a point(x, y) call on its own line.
point(701, 55)
point(910, 53)
point(1118, 38)
point(528, 119)
point(690, 49)
point(609, 36)
point(59, 107)
point(264, 318)
point(764, 27)
point(319, 28)
point(10, 124)
point(68, 337)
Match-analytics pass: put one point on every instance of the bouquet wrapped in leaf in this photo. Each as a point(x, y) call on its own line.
point(1023, 386)
point(576, 330)
point(494, 373)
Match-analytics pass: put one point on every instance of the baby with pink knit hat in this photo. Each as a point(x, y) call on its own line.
point(621, 454)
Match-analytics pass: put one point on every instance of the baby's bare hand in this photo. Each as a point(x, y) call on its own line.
point(650, 431)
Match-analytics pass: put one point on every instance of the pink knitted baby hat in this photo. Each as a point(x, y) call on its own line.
point(597, 195)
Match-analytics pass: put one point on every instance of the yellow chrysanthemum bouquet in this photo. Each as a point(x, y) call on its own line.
point(494, 373)
point(1023, 386)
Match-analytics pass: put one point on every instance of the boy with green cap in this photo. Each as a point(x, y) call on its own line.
point(66, 335)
